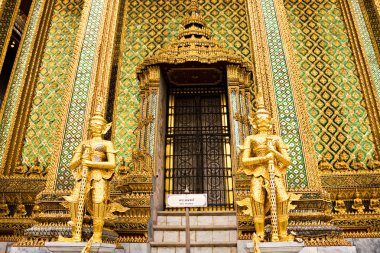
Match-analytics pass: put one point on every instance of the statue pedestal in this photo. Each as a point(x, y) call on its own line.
point(77, 247)
point(274, 247)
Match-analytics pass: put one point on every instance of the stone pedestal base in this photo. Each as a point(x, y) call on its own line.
point(280, 247)
point(77, 247)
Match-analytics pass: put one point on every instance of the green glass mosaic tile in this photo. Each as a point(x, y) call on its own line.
point(368, 46)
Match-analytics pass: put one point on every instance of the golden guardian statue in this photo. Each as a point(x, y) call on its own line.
point(93, 167)
point(265, 157)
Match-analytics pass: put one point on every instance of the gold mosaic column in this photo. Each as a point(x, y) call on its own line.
point(332, 85)
point(46, 110)
point(279, 80)
point(89, 78)
point(8, 14)
point(367, 80)
point(299, 101)
point(18, 97)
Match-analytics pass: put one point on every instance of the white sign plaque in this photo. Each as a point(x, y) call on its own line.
point(186, 200)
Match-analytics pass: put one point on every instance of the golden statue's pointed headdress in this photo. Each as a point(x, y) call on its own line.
point(261, 115)
point(99, 110)
point(98, 114)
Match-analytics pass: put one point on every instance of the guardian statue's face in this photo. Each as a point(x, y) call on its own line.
point(97, 126)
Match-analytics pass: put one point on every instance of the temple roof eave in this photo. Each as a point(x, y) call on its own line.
point(201, 55)
point(193, 44)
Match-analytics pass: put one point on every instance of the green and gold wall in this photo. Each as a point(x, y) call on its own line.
point(317, 61)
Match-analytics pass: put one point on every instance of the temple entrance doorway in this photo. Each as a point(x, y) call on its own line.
point(198, 148)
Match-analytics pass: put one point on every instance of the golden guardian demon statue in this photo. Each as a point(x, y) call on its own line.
point(93, 167)
point(265, 158)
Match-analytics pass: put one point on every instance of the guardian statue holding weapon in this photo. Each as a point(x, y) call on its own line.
point(265, 158)
point(93, 167)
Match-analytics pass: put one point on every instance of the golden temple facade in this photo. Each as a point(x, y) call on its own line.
point(180, 81)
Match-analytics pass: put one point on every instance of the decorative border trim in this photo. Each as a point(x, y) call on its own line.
point(28, 88)
point(260, 56)
point(370, 29)
point(82, 84)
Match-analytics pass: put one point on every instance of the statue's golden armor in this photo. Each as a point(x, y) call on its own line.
point(259, 151)
point(260, 179)
point(257, 147)
point(98, 178)
point(96, 157)
point(97, 189)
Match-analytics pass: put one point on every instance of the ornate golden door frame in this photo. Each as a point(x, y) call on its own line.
point(196, 48)
point(153, 109)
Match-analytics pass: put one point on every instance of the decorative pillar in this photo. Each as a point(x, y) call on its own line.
point(262, 65)
point(18, 97)
point(149, 171)
point(366, 62)
point(46, 109)
point(8, 15)
point(292, 120)
point(240, 87)
point(89, 77)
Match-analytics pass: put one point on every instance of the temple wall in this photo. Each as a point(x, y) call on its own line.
point(335, 106)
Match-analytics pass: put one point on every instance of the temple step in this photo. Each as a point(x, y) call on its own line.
point(211, 232)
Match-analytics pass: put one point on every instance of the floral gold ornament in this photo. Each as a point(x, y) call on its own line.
point(37, 168)
point(358, 204)
point(341, 164)
point(21, 168)
point(374, 162)
point(324, 165)
point(357, 164)
point(340, 206)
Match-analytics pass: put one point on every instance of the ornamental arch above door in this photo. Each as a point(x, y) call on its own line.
point(194, 104)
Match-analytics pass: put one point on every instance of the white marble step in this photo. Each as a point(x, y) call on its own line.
point(194, 250)
point(197, 219)
point(196, 213)
point(201, 236)
point(216, 247)
point(210, 232)
point(195, 228)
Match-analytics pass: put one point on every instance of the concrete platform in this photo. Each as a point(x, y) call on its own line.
point(280, 247)
point(63, 247)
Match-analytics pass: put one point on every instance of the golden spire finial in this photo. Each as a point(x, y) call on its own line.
point(194, 7)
